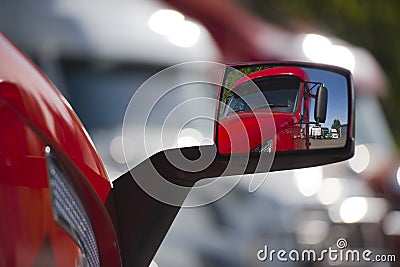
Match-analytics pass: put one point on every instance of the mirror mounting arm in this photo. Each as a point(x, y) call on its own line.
point(309, 89)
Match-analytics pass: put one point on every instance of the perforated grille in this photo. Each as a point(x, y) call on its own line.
point(70, 214)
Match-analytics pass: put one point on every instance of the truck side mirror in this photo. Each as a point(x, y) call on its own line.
point(270, 110)
point(240, 119)
point(248, 118)
point(321, 103)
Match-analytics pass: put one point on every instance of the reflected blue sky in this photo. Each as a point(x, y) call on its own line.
point(337, 95)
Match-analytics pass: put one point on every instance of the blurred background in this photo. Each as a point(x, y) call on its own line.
point(99, 52)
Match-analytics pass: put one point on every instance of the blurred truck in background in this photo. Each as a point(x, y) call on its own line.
point(316, 132)
point(99, 52)
point(326, 133)
point(334, 133)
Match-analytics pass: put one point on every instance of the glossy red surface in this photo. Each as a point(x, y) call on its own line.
point(288, 132)
point(41, 106)
point(244, 131)
point(35, 115)
point(241, 133)
point(28, 232)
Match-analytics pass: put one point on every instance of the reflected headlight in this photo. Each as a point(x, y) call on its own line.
point(69, 212)
point(264, 147)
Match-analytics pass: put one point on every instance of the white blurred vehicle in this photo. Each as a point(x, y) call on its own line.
point(316, 132)
point(334, 133)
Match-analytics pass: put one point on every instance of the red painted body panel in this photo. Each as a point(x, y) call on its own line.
point(45, 109)
point(27, 225)
point(231, 129)
point(257, 124)
point(278, 71)
point(34, 115)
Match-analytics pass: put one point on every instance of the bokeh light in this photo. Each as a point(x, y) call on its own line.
point(353, 209)
point(361, 159)
point(319, 49)
point(308, 180)
point(330, 191)
point(173, 25)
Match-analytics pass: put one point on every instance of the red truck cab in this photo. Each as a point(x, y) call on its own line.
point(288, 102)
point(53, 185)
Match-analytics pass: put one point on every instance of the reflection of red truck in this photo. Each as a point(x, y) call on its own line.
point(288, 95)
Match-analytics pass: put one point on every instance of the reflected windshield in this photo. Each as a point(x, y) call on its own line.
point(282, 94)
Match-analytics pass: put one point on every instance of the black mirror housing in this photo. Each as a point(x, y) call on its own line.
point(293, 93)
point(276, 135)
point(270, 116)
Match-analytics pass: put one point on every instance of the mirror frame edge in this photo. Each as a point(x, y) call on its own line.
point(287, 160)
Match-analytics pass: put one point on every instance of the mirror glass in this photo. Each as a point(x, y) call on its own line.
point(270, 108)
